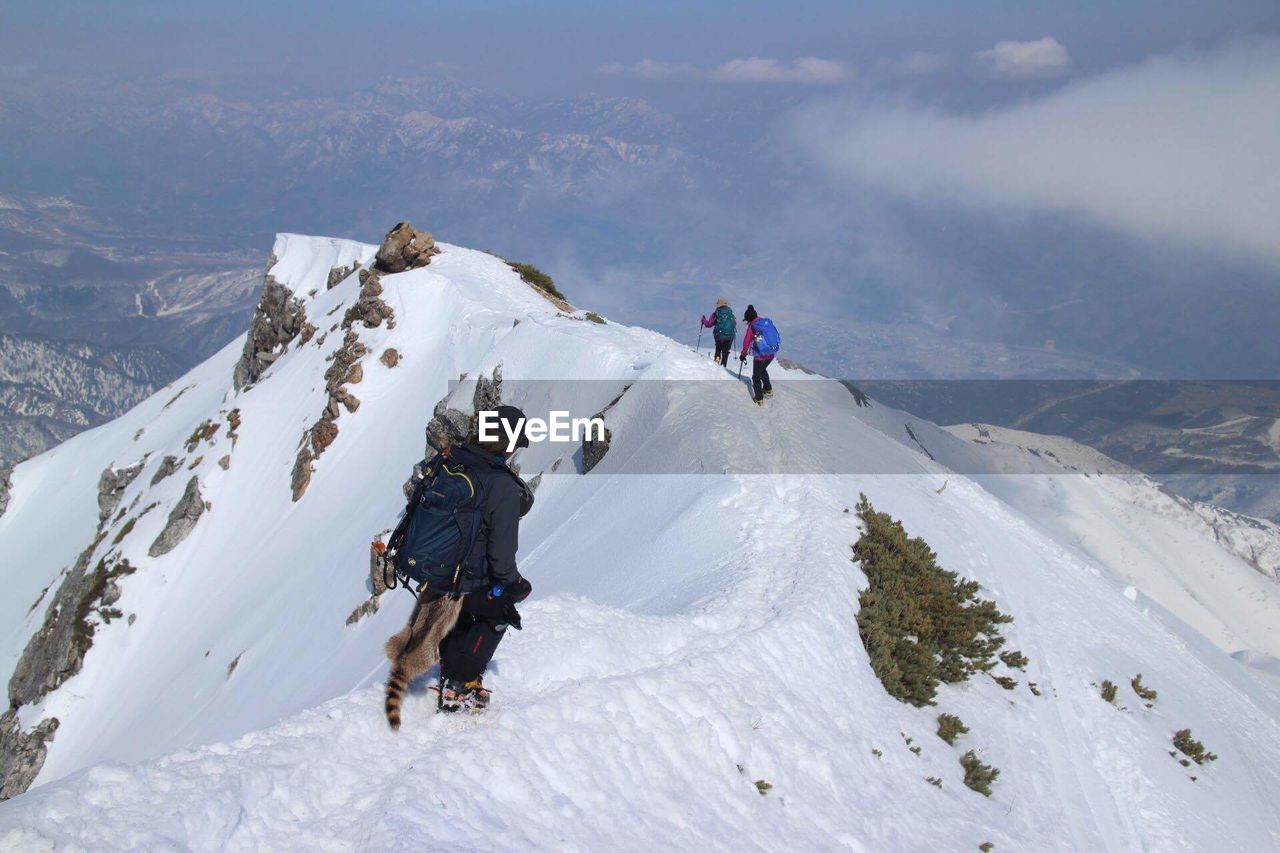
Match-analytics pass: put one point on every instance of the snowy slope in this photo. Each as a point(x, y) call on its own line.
point(691, 631)
point(1214, 569)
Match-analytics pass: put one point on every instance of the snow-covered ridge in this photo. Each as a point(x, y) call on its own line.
point(688, 634)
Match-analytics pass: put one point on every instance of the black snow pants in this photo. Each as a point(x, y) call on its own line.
point(467, 649)
point(760, 377)
point(723, 345)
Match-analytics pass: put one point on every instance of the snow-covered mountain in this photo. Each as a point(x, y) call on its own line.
point(187, 594)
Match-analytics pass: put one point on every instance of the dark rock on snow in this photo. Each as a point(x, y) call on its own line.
point(279, 318)
point(6, 484)
point(111, 486)
point(405, 248)
point(182, 519)
point(337, 275)
point(167, 466)
point(21, 753)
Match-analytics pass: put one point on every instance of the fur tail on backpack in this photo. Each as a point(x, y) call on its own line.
point(415, 648)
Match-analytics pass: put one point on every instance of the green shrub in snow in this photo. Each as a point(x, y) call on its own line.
point(1192, 748)
point(1014, 659)
point(1144, 692)
point(1108, 691)
point(977, 775)
point(951, 727)
point(919, 622)
point(536, 277)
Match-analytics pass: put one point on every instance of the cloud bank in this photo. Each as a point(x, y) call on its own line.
point(806, 71)
point(651, 69)
point(1176, 148)
point(1044, 57)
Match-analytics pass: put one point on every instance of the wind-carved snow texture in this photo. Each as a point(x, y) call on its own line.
point(689, 635)
point(182, 520)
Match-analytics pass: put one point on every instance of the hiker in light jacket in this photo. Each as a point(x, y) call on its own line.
point(724, 330)
point(760, 383)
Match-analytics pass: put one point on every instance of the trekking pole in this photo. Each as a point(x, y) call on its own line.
point(741, 362)
point(699, 346)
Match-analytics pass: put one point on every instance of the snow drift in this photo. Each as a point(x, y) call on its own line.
point(692, 630)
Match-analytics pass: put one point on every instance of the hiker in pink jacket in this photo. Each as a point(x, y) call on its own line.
point(760, 383)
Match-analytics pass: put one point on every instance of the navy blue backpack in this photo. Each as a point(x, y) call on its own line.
point(432, 546)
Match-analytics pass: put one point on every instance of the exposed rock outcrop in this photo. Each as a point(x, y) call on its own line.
point(167, 466)
point(21, 753)
point(594, 450)
point(6, 484)
point(338, 274)
point(182, 519)
point(449, 427)
point(343, 360)
point(111, 486)
point(390, 357)
point(369, 308)
point(301, 477)
point(279, 318)
point(405, 248)
point(56, 651)
point(345, 368)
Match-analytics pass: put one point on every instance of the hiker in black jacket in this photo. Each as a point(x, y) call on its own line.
point(461, 628)
point(487, 611)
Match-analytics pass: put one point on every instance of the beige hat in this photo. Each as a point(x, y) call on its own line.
point(722, 302)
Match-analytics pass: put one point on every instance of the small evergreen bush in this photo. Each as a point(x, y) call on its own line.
point(1108, 691)
point(595, 318)
point(1014, 659)
point(951, 727)
point(978, 776)
point(1145, 693)
point(1191, 748)
point(1005, 681)
point(536, 277)
point(124, 531)
point(919, 622)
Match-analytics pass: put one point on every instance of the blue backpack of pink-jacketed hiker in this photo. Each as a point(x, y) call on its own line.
point(767, 341)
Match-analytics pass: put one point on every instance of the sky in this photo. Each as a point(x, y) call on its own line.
point(557, 47)
point(929, 160)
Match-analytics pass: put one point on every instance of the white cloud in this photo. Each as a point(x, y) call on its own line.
point(806, 71)
point(921, 64)
point(1044, 57)
point(651, 69)
point(1182, 149)
point(809, 71)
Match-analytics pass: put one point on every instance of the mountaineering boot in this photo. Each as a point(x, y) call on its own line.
point(759, 402)
point(452, 695)
point(768, 394)
point(475, 698)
